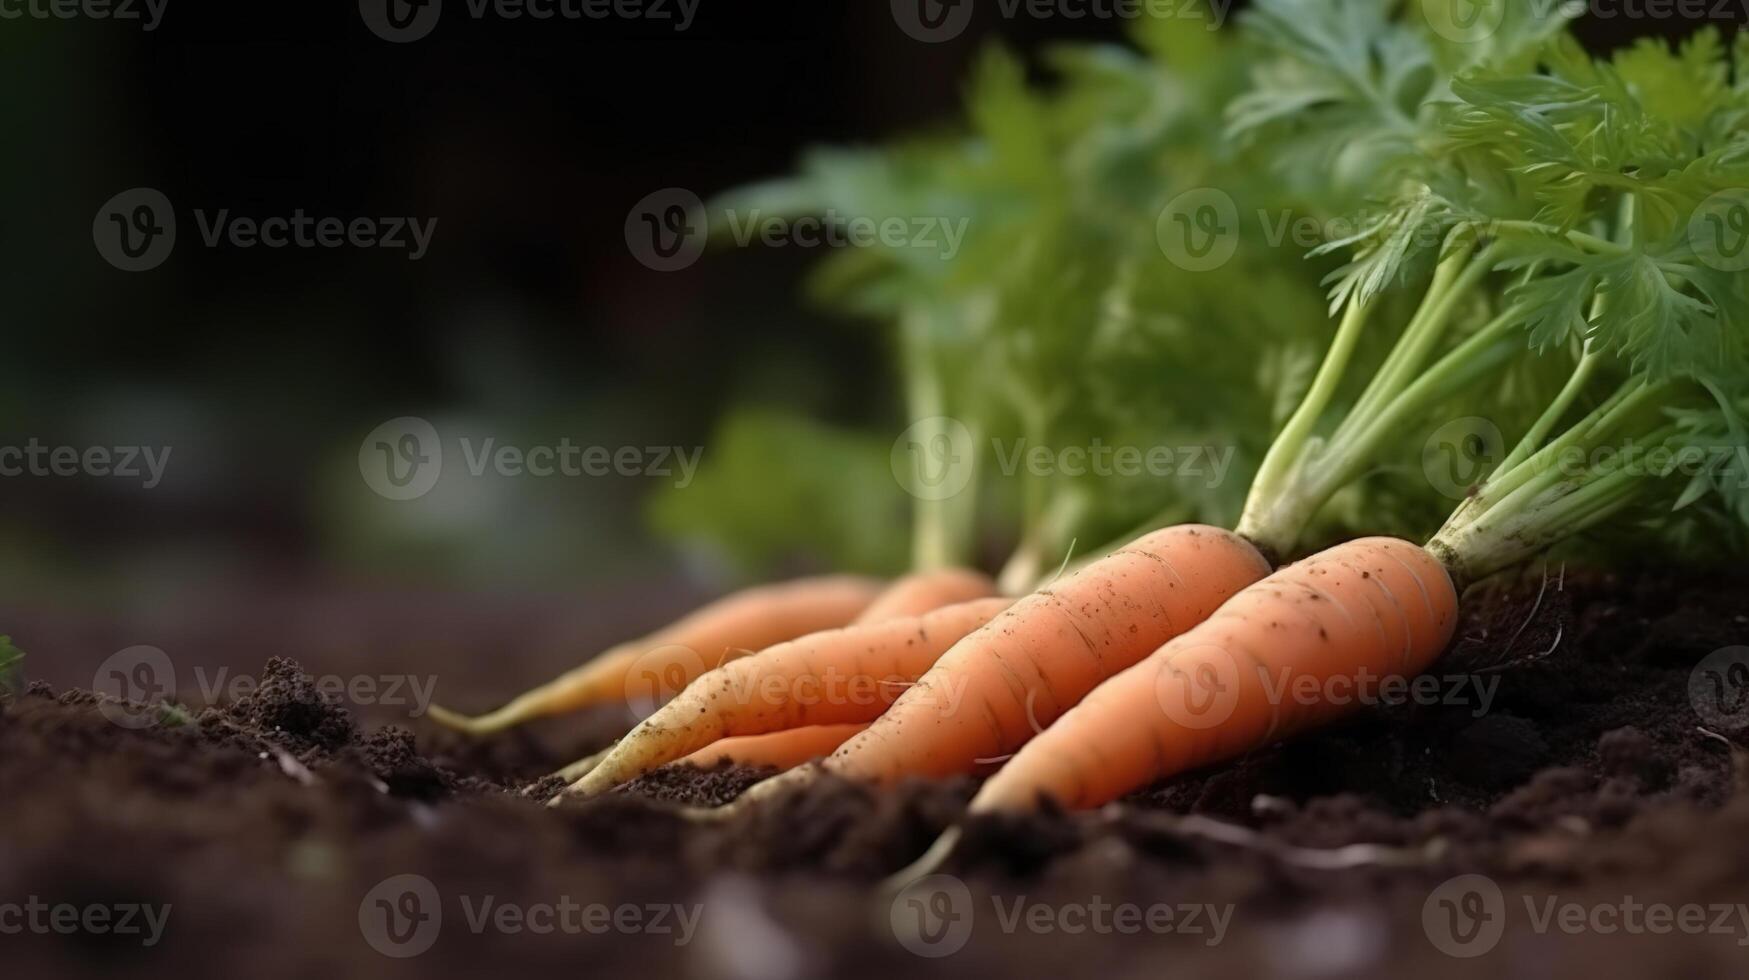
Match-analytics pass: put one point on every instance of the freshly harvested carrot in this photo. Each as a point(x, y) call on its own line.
point(844, 676)
point(912, 595)
point(1000, 685)
point(775, 750)
point(1260, 669)
point(672, 657)
point(922, 592)
point(577, 770)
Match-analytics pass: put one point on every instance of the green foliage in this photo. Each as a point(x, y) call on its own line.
point(773, 487)
point(1717, 436)
point(1598, 194)
point(1629, 170)
point(1347, 90)
point(11, 666)
point(1061, 323)
point(1560, 198)
point(1627, 151)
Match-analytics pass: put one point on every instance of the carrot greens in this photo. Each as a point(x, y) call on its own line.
point(1556, 200)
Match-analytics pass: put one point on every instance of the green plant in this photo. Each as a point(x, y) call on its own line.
point(11, 666)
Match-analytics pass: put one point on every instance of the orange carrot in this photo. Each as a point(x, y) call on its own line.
point(660, 665)
point(1271, 662)
point(1000, 685)
point(845, 676)
point(775, 750)
point(922, 592)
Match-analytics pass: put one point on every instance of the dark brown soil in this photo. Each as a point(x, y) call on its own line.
point(269, 825)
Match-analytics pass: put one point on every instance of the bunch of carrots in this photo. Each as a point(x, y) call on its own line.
point(1541, 238)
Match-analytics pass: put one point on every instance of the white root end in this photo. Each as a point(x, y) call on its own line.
point(584, 766)
point(455, 721)
point(779, 784)
point(713, 814)
point(923, 867)
point(504, 719)
point(755, 794)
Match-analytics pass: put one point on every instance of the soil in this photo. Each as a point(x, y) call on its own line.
point(1562, 804)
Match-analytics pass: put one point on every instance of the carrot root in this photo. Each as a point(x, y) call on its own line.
point(661, 664)
point(577, 770)
point(1008, 680)
point(1263, 667)
point(924, 866)
point(834, 677)
point(782, 750)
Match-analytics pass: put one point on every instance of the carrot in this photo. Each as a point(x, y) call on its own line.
point(997, 687)
point(1368, 609)
point(775, 750)
point(667, 660)
point(845, 676)
point(577, 770)
point(922, 592)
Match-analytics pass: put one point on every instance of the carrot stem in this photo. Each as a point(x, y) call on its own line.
point(1546, 498)
point(1286, 495)
point(1286, 455)
point(941, 529)
point(1044, 546)
point(1455, 275)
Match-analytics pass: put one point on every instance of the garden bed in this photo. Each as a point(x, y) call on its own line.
point(1561, 756)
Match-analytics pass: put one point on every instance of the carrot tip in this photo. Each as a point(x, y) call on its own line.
point(584, 766)
point(455, 721)
point(584, 788)
point(522, 709)
point(712, 814)
point(579, 792)
point(923, 867)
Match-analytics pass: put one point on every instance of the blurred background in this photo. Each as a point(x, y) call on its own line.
point(527, 320)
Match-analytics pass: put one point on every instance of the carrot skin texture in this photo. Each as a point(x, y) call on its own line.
point(843, 676)
point(730, 627)
point(910, 596)
point(775, 750)
point(1254, 672)
point(1000, 685)
point(922, 592)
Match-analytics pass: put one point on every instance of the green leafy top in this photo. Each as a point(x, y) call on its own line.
point(1617, 192)
point(1061, 323)
point(773, 486)
point(1349, 89)
point(1594, 205)
point(1608, 192)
